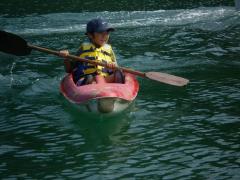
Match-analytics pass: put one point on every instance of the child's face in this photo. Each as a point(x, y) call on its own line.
point(100, 39)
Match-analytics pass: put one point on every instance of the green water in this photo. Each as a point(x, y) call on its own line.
point(168, 133)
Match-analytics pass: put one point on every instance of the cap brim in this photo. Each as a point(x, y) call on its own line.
point(110, 29)
point(106, 29)
point(103, 30)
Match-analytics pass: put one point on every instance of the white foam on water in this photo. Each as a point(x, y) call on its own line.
point(210, 18)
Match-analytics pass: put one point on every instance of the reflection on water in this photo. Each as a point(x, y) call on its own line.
point(99, 129)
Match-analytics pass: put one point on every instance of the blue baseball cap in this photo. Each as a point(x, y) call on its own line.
point(98, 25)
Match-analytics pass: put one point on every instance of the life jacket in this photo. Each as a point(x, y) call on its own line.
point(102, 54)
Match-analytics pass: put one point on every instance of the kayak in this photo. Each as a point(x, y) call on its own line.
point(101, 97)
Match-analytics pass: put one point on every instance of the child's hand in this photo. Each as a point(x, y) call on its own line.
point(63, 53)
point(111, 65)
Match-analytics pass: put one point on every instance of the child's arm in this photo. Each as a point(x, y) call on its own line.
point(114, 64)
point(68, 64)
point(114, 60)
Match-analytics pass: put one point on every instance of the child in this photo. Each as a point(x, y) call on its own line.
point(96, 49)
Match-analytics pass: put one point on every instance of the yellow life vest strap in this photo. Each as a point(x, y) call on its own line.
point(103, 54)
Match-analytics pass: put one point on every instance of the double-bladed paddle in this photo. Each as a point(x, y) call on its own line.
point(13, 44)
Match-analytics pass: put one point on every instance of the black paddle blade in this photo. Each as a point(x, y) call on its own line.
point(13, 44)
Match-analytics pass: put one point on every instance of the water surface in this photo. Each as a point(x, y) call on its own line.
point(169, 132)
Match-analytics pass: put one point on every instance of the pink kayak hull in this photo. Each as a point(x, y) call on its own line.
point(101, 97)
